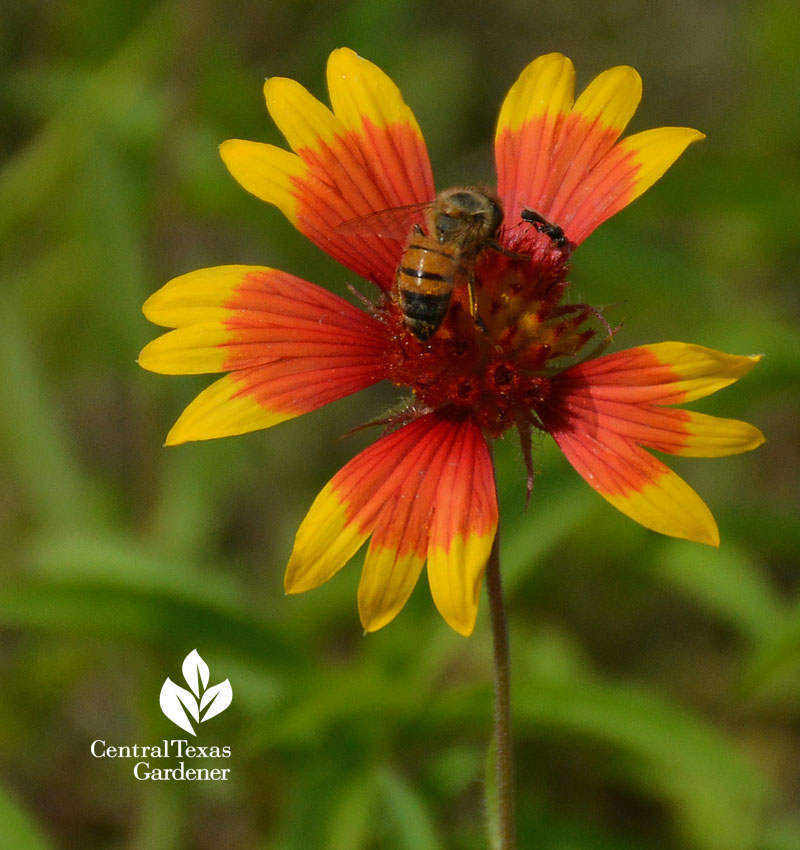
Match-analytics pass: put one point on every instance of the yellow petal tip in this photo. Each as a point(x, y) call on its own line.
point(173, 439)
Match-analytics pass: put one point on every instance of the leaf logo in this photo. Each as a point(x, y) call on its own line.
point(200, 703)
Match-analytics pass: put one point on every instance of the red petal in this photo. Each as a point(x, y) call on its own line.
point(291, 347)
point(423, 491)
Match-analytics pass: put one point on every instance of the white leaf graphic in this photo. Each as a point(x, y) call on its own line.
point(174, 701)
point(194, 669)
point(217, 698)
point(179, 705)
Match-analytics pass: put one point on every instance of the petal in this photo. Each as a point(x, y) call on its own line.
point(462, 531)
point(603, 411)
point(527, 128)
point(382, 127)
point(638, 484)
point(425, 490)
point(227, 408)
point(352, 501)
point(627, 171)
point(387, 580)
point(713, 436)
point(545, 89)
point(194, 350)
point(662, 373)
point(587, 135)
point(268, 172)
point(305, 122)
point(292, 346)
point(677, 432)
point(560, 158)
point(364, 156)
point(199, 296)
point(653, 152)
point(327, 538)
point(266, 395)
point(610, 100)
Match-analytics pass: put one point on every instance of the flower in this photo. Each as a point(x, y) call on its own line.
point(424, 492)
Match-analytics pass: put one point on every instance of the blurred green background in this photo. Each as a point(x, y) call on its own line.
point(656, 682)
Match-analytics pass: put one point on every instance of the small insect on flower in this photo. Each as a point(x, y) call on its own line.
point(459, 224)
point(553, 231)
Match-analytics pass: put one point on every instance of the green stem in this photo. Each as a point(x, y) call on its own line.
point(502, 701)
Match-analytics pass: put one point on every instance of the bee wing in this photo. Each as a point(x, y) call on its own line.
point(391, 223)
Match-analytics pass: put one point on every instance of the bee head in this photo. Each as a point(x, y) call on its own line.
point(466, 216)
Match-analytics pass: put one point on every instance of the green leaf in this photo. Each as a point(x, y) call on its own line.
point(353, 821)
point(408, 813)
point(17, 827)
point(27, 180)
point(160, 618)
point(729, 582)
point(715, 793)
point(777, 660)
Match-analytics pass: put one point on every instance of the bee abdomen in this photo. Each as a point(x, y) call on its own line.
point(423, 312)
point(421, 275)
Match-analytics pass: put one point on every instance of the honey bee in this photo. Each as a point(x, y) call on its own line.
point(459, 224)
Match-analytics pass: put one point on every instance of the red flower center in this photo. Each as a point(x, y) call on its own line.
point(498, 362)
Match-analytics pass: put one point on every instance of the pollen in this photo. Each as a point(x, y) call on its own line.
point(497, 363)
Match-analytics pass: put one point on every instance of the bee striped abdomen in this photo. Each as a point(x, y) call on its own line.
point(423, 313)
point(424, 285)
point(459, 223)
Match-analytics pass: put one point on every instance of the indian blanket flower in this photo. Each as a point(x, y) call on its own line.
point(510, 352)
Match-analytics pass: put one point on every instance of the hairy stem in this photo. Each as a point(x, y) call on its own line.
point(502, 701)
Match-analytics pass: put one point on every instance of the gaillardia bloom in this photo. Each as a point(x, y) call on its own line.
point(508, 353)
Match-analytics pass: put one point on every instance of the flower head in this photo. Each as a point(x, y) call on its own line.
point(504, 350)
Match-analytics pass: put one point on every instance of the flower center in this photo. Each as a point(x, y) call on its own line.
point(498, 362)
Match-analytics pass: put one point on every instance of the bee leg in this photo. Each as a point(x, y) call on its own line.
point(473, 304)
point(515, 255)
point(473, 299)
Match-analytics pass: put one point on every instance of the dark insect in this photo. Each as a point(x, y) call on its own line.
point(553, 231)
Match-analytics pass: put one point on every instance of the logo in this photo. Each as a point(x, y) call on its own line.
point(200, 702)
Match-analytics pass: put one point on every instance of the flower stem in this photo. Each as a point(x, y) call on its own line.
point(502, 701)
